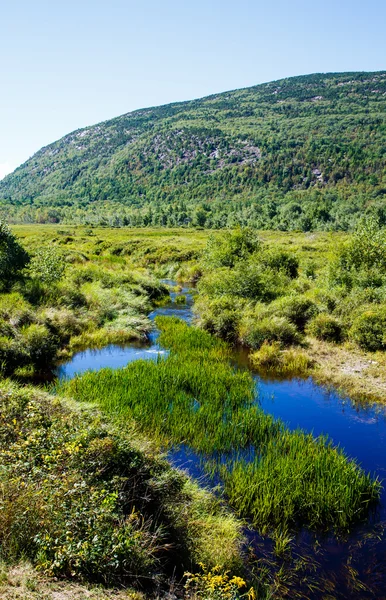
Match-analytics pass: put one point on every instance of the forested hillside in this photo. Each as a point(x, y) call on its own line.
point(301, 153)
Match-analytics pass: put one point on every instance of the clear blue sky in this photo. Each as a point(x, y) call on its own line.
point(66, 64)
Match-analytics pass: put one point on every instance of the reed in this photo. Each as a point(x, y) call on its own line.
point(275, 477)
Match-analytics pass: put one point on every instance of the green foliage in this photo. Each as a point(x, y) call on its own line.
point(81, 499)
point(272, 358)
point(367, 247)
point(303, 153)
point(369, 330)
point(227, 249)
point(220, 315)
point(281, 261)
point(362, 260)
point(13, 258)
point(249, 279)
point(40, 345)
point(326, 327)
point(298, 309)
point(254, 332)
point(47, 265)
point(297, 479)
point(196, 397)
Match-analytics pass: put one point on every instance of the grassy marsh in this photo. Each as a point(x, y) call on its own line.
point(197, 398)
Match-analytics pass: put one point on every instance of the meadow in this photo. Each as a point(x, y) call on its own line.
point(291, 297)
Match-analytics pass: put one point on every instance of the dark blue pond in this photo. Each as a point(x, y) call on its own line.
point(359, 429)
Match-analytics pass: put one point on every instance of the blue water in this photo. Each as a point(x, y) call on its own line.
point(115, 356)
point(359, 429)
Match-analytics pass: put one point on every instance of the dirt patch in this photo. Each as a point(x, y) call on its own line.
point(360, 375)
point(24, 583)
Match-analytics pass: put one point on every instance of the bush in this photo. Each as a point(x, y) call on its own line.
point(40, 345)
point(249, 280)
point(79, 499)
point(279, 260)
point(220, 316)
point(47, 265)
point(362, 260)
point(13, 258)
point(325, 327)
point(227, 249)
point(369, 330)
point(297, 309)
point(269, 329)
point(13, 354)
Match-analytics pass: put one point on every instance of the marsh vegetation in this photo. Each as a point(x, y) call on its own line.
point(87, 493)
point(274, 477)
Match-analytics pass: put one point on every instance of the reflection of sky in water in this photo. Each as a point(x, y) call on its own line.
point(360, 430)
point(116, 357)
point(112, 356)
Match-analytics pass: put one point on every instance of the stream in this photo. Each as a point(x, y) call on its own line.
point(359, 429)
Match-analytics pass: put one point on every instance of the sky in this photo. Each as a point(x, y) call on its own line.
point(68, 64)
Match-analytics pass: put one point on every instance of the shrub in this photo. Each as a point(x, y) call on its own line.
point(269, 329)
point(47, 265)
point(79, 499)
point(249, 280)
point(326, 327)
point(13, 258)
point(220, 316)
point(227, 249)
point(13, 354)
point(297, 309)
point(40, 345)
point(362, 260)
point(369, 330)
point(279, 260)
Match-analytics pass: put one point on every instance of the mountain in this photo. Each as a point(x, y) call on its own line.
point(305, 152)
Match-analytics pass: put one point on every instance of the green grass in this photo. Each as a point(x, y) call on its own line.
point(197, 398)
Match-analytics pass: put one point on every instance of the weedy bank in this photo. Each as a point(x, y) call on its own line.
point(83, 500)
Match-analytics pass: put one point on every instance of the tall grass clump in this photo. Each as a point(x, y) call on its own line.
point(197, 398)
point(299, 480)
point(271, 358)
